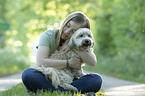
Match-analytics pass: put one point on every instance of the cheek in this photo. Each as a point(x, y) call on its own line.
point(78, 42)
point(64, 29)
point(70, 34)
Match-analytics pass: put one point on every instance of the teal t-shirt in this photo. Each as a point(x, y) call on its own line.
point(48, 39)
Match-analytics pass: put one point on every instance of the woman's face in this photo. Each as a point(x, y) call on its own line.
point(69, 29)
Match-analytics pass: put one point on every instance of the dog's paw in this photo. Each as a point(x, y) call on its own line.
point(69, 87)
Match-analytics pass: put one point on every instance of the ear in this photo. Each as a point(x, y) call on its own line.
point(93, 40)
point(93, 44)
point(71, 43)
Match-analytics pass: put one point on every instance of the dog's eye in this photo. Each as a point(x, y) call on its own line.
point(89, 35)
point(81, 35)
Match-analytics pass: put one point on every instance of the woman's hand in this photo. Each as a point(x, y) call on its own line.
point(75, 63)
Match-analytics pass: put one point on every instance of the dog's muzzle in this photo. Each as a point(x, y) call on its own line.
point(86, 43)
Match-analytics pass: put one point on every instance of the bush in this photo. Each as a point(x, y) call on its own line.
point(11, 60)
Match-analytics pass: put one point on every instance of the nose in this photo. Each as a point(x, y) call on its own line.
point(67, 32)
point(87, 41)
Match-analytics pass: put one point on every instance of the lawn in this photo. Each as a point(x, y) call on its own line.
point(20, 90)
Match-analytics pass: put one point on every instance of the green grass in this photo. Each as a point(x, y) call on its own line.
point(20, 90)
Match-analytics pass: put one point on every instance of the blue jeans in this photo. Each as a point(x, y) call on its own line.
point(35, 80)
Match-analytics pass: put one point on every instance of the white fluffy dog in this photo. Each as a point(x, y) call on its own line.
point(81, 40)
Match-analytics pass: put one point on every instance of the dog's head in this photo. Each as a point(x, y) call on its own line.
point(82, 39)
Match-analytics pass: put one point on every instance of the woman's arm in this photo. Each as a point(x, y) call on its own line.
point(88, 57)
point(42, 58)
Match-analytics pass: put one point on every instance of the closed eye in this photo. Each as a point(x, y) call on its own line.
point(73, 31)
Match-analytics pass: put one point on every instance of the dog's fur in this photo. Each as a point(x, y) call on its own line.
point(81, 40)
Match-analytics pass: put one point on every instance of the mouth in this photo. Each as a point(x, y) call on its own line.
point(86, 46)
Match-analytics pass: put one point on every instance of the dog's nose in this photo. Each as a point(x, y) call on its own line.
point(87, 41)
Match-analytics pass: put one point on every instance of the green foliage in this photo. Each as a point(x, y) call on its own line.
point(12, 61)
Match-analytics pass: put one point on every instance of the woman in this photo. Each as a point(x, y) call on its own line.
point(48, 43)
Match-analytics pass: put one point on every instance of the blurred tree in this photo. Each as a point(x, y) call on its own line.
point(3, 18)
point(104, 28)
point(128, 34)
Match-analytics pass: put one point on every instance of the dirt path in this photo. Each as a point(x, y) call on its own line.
point(117, 87)
point(9, 81)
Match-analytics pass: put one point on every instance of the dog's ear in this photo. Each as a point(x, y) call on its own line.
point(93, 44)
point(93, 41)
point(71, 43)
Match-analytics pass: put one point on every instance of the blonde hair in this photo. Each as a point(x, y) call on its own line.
point(67, 19)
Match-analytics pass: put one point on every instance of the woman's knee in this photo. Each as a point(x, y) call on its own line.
point(27, 74)
point(97, 81)
point(97, 78)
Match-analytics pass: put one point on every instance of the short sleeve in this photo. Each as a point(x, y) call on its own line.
point(48, 39)
point(44, 39)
